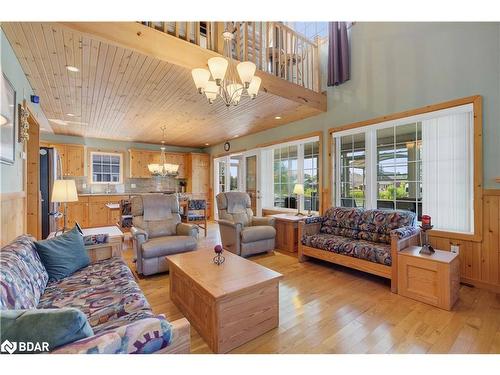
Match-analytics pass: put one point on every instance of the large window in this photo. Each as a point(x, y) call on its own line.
point(294, 163)
point(106, 167)
point(422, 163)
point(399, 168)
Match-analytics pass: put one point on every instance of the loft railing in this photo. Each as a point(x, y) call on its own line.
point(274, 47)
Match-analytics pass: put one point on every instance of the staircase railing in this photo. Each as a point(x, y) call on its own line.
point(274, 47)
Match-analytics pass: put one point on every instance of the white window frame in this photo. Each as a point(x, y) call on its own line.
point(300, 170)
point(91, 166)
point(370, 132)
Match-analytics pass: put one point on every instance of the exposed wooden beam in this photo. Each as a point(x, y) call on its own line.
point(154, 43)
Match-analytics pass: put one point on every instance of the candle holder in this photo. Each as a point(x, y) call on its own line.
point(426, 249)
point(218, 258)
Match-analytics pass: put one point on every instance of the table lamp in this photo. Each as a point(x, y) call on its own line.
point(64, 191)
point(298, 190)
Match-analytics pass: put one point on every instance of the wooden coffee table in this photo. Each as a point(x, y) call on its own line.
point(229, 304)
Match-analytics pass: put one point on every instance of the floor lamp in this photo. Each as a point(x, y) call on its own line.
point(64, 191)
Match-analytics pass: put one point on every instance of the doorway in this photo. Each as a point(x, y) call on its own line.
point(32, 178)
point(238, 172)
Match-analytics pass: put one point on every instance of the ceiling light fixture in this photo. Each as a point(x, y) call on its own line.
point(277, 118)
point(70, 114)
point(163, 169)
point(72, 68)
point(225, 73)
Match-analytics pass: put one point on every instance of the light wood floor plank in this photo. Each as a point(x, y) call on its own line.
point(326, 308)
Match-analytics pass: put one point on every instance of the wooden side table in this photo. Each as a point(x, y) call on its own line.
point(287, 229)
point(112, 248)
point(433, 279)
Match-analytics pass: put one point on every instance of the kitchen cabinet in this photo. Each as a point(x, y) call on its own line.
point(198, 177)
point(78, 212)
point(91, 211)
point(139, 160)
point(75, 160)
point(198, 174)
point(98, 214)
point(72, 159)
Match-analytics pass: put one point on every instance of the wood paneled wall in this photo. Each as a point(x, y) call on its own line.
point(480, 260)
point(13, 218)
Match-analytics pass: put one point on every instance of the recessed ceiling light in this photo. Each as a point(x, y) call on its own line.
point(72, 68)
point(277, 118)
point(207, 144)
point(70, 114)
point(236, 136)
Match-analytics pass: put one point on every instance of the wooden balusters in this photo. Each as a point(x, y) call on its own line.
point(274, 47)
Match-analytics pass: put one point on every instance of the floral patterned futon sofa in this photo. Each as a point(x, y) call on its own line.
point(366, 235)
point(105, 292)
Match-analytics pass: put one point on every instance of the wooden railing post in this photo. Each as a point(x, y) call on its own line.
point(218, 38)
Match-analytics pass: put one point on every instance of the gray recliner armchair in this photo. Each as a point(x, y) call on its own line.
point(241, 232)
point(157, 231)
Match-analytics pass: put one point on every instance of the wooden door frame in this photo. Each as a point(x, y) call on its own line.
point(32, 175)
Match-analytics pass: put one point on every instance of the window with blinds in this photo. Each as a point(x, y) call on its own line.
point(422, 163)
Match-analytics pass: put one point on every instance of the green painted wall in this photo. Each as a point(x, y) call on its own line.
point(11, 176)
point(400, 66)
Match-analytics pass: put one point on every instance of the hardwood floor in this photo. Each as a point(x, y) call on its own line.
point(326, 308)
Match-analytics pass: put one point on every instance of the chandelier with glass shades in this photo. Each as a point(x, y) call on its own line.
point(163, 169)
point(225, 79)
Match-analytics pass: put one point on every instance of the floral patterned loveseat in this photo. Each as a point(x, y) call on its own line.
point(105, 292)
point(367, 240)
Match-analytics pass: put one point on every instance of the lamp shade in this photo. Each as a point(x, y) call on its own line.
point(211, 91)
point(218, 67)
point(254, 87)
point(298, 189)
point(200, 78)
point(64, 191)
point(246, 70)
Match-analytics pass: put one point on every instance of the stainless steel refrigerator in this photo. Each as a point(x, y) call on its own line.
point(49, 172)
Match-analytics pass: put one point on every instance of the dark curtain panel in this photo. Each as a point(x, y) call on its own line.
point(338, 53)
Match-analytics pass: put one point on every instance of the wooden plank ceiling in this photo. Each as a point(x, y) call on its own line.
point(121, 94)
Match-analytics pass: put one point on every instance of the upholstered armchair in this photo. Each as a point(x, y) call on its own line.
point(241, 232)
point(157, 231)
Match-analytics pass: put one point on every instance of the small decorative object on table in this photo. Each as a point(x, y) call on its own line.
point(95, 239)
point(424, 236)
point(218, 259)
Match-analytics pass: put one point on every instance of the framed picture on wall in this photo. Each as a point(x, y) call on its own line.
point(7, 122)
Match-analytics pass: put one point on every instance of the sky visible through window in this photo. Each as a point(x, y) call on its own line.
point(310, 29)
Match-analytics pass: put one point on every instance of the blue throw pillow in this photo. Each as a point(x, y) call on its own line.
point(63, 255)
point(55, 327)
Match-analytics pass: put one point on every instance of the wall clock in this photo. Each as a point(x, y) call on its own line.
point(227, 146)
